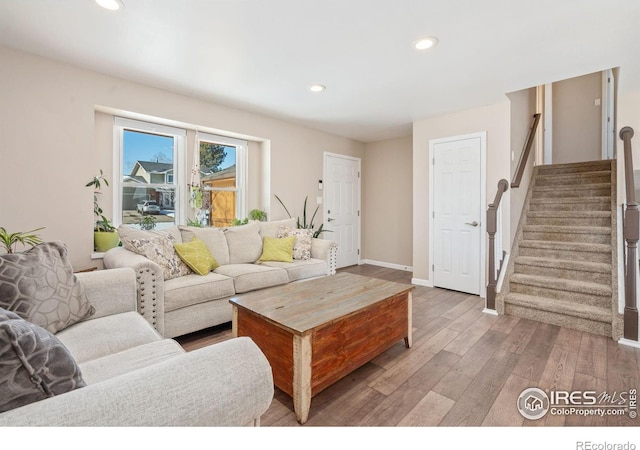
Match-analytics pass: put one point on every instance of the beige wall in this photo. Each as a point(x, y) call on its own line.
point(387, 200)
point(495, 120)
point(523, 107)
point(577, 121)
point(51, 149)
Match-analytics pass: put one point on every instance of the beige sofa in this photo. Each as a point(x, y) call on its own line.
point(193, 302)
point(135, 377)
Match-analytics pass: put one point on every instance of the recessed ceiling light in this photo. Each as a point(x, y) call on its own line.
point(425, 43)
point(111, 5)
point(317, 88)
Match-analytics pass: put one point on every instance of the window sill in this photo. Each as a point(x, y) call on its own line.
point(97, 255)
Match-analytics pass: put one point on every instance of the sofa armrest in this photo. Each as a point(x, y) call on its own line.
point(226, 384)
point(326, 250)
point(149, 280)
point(110, 291)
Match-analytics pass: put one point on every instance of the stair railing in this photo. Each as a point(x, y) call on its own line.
point(524, 155)
point(631, 233)
point(492, 227)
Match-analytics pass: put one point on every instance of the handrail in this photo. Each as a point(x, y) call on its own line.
point(524, 155)
point(492, 227)
point(631, 232)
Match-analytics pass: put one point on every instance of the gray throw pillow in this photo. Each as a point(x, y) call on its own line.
point(35, 365)
point(39, 286)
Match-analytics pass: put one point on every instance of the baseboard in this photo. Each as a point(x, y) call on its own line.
point(387, 265)
point(419, 282)
point(492, 312)
point(629, 342)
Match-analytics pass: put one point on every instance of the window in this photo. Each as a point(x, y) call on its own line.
point(222, 174)
point(151, 164)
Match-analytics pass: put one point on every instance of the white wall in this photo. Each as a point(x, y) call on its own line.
point(49, 151)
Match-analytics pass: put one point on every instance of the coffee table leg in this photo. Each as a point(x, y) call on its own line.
point(408, 341)
point(302, 376)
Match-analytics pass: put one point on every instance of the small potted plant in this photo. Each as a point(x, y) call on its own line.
point(10, 240)
point(105, 235)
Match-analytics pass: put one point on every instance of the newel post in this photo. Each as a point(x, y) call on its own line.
point(492, 227)
point(631, 231)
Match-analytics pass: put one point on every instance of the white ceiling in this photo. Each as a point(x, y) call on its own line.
point(261, 55)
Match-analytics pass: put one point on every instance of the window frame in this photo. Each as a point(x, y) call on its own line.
point(241, 147)
point(179, 136)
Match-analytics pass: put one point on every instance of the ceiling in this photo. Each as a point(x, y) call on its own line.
point(261, 55)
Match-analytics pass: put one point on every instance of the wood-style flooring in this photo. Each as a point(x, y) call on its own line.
point(465, 368)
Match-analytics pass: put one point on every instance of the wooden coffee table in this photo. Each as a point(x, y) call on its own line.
point(317, 331)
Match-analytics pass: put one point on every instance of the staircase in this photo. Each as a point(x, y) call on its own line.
point(563, 268)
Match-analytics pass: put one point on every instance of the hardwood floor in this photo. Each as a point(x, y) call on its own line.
point(465, 368)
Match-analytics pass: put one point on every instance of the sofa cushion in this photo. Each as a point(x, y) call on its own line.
point(270, 229)
point(95, 338)
point(110, 366)
point(277, 249)
point(304, 238)
point(245, 243)
point(193, 289)
point(128, 233)
point(39, 286)
point(35, 365)
point(197, 256)
point(302, 269)
point(161, 251)
point(249, 277)
point(212, 237)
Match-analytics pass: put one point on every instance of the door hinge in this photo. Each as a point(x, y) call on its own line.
point(433, 214)
point(433, 161)
point(433, 267)
point(358, 252)
point(358, 174)
point(358, 213)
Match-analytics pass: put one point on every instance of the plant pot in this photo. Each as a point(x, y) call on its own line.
point(105, 240)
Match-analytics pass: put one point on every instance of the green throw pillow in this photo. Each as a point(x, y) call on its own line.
point(197, 256)
point(277, 249)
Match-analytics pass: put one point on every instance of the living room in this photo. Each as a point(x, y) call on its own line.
point(57, 121)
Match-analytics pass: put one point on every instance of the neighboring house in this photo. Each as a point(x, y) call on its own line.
point(144, 173)
point(222, 206)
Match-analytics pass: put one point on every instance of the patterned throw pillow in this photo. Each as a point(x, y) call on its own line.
point(35, 364)
point(277, 249)
point(197, 256)
point(304, 237)
point(39, 286)
point(161, 251)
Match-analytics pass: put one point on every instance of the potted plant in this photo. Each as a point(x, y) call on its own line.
point(105, 235)
point(258, 214)
point(303, 223)
point(10, 240)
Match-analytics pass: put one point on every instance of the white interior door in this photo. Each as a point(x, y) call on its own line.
point(457, 214)
point(342, 206)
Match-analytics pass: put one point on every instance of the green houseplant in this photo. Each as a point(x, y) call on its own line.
point(303, 223)
point(105, 235)
point(10, 240)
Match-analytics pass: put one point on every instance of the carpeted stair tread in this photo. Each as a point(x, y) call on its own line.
point(567, 308)
point(570, 214)
point(581, 167)
point(570, 200)
point(573, 179)
point(568, 229)
point(572, 246)
point(566, 264)
point(579, 187)
point(582, 287)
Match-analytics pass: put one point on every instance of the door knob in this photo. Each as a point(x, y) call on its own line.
point(330, 220)
point(473, 224)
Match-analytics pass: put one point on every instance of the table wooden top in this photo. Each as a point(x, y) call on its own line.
point(302, 306)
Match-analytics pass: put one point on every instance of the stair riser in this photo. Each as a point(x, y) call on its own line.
point(581, 206)
point(568, 237)
point(566, 254)
point(570, 221)
point(573, 193)
point(566, 274)
point(578, 298)
point(565, 180)
point(576, 323)
point(575, 168)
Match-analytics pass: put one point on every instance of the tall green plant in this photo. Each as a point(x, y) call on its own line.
point(102, 224)
point(303, 223)
point(10, 240)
